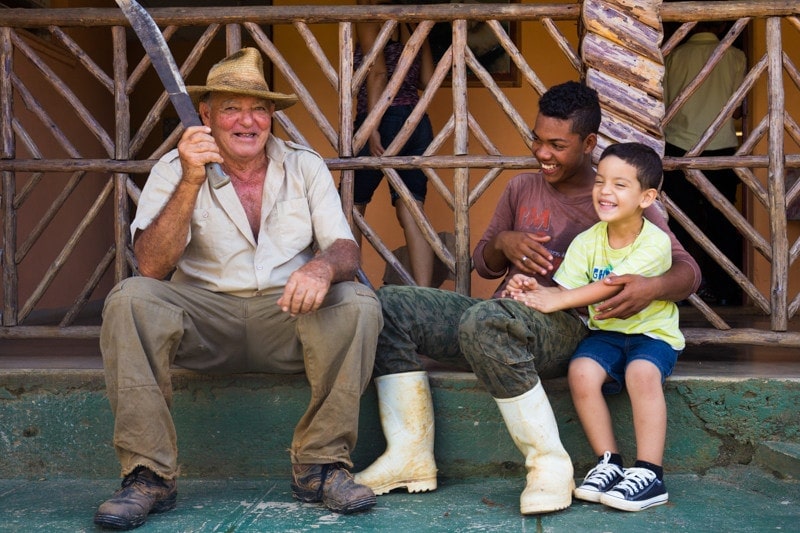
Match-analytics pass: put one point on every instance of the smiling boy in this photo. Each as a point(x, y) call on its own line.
point(638, 352)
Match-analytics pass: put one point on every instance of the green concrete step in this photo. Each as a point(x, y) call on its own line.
point(56, 423)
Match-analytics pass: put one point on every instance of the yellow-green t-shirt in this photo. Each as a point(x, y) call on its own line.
point(589, 258)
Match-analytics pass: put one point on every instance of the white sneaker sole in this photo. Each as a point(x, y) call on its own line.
point(626, 505)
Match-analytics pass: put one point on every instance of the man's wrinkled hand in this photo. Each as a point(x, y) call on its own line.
point(196, 148)
point(306, 288)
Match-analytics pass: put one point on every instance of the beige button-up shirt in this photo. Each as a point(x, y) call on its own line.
point(301, 211)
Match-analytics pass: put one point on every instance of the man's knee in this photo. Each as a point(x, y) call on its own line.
point(137, 306)
point(396, 299)
point(356, 300)
point(490, 330)
point(133, 287)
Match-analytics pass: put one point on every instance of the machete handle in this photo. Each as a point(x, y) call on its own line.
point(216, 176)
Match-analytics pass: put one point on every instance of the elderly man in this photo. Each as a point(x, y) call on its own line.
point(260, 280)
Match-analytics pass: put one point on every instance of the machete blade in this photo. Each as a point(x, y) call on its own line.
point(160, 56)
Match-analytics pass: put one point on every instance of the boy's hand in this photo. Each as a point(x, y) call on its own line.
point(517, 284)
point(543, 299)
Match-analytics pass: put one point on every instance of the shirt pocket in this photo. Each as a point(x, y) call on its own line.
point(295, 230)
point(213, 231)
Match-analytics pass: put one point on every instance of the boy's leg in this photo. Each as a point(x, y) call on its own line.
point(598, 362)
point(643, 380)
point(586, 378)
point(650, 362)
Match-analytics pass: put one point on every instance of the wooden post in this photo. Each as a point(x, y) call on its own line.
point(461, 147)
point(775, 178)
point(8, 252)
point(122, 140)
point(346, 93)
point(233, 38)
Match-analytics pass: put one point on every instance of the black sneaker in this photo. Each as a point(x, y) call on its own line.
point(639, 489)
point(142, 493)
point(599, 479)
point(333, 485)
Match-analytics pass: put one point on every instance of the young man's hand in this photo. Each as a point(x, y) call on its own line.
point(636, 294)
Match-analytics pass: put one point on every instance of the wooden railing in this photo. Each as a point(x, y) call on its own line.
point(116, 151)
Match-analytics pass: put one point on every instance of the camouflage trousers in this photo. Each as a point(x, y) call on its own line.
point(508, 345)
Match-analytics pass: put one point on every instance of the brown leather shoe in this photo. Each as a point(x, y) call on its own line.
point(142, 493)
point(332, 485)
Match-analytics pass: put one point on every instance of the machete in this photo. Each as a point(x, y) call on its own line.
point(156, 47)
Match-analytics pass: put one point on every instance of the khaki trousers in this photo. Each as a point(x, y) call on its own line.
point(149, 325)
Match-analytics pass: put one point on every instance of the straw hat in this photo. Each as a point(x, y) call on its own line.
point(241, 73)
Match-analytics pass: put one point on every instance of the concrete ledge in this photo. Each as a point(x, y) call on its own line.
point(781, 458)
point(57, 423)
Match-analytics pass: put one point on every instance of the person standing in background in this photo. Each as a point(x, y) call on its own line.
point(367, 180)
point(682, 133)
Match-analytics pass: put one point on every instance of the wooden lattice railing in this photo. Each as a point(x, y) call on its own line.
point(620, 54)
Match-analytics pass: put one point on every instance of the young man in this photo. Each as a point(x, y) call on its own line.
point(639, 351)
point(508, 344)
point(249, 293)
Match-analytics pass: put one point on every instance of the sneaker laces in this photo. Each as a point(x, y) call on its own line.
point(604, 470)
point(635, 480)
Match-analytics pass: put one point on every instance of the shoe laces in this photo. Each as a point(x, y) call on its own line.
point(141, 475)
point(635, 480)
point(328, 473)
point(604, 470)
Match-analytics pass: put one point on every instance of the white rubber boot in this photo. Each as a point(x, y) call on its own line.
point(406, 411)
point(531, 423)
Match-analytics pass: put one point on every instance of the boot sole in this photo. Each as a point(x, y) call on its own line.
point(549, 504)
point(356, 506)
point(548, 507)
point(110, 521)
point(421, 485)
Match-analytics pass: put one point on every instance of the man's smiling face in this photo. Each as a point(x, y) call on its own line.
point(240, 124)
point(561, 152)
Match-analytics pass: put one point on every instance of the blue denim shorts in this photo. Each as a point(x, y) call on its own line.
point(614, 351)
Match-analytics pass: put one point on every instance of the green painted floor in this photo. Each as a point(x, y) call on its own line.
point(739, 498)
